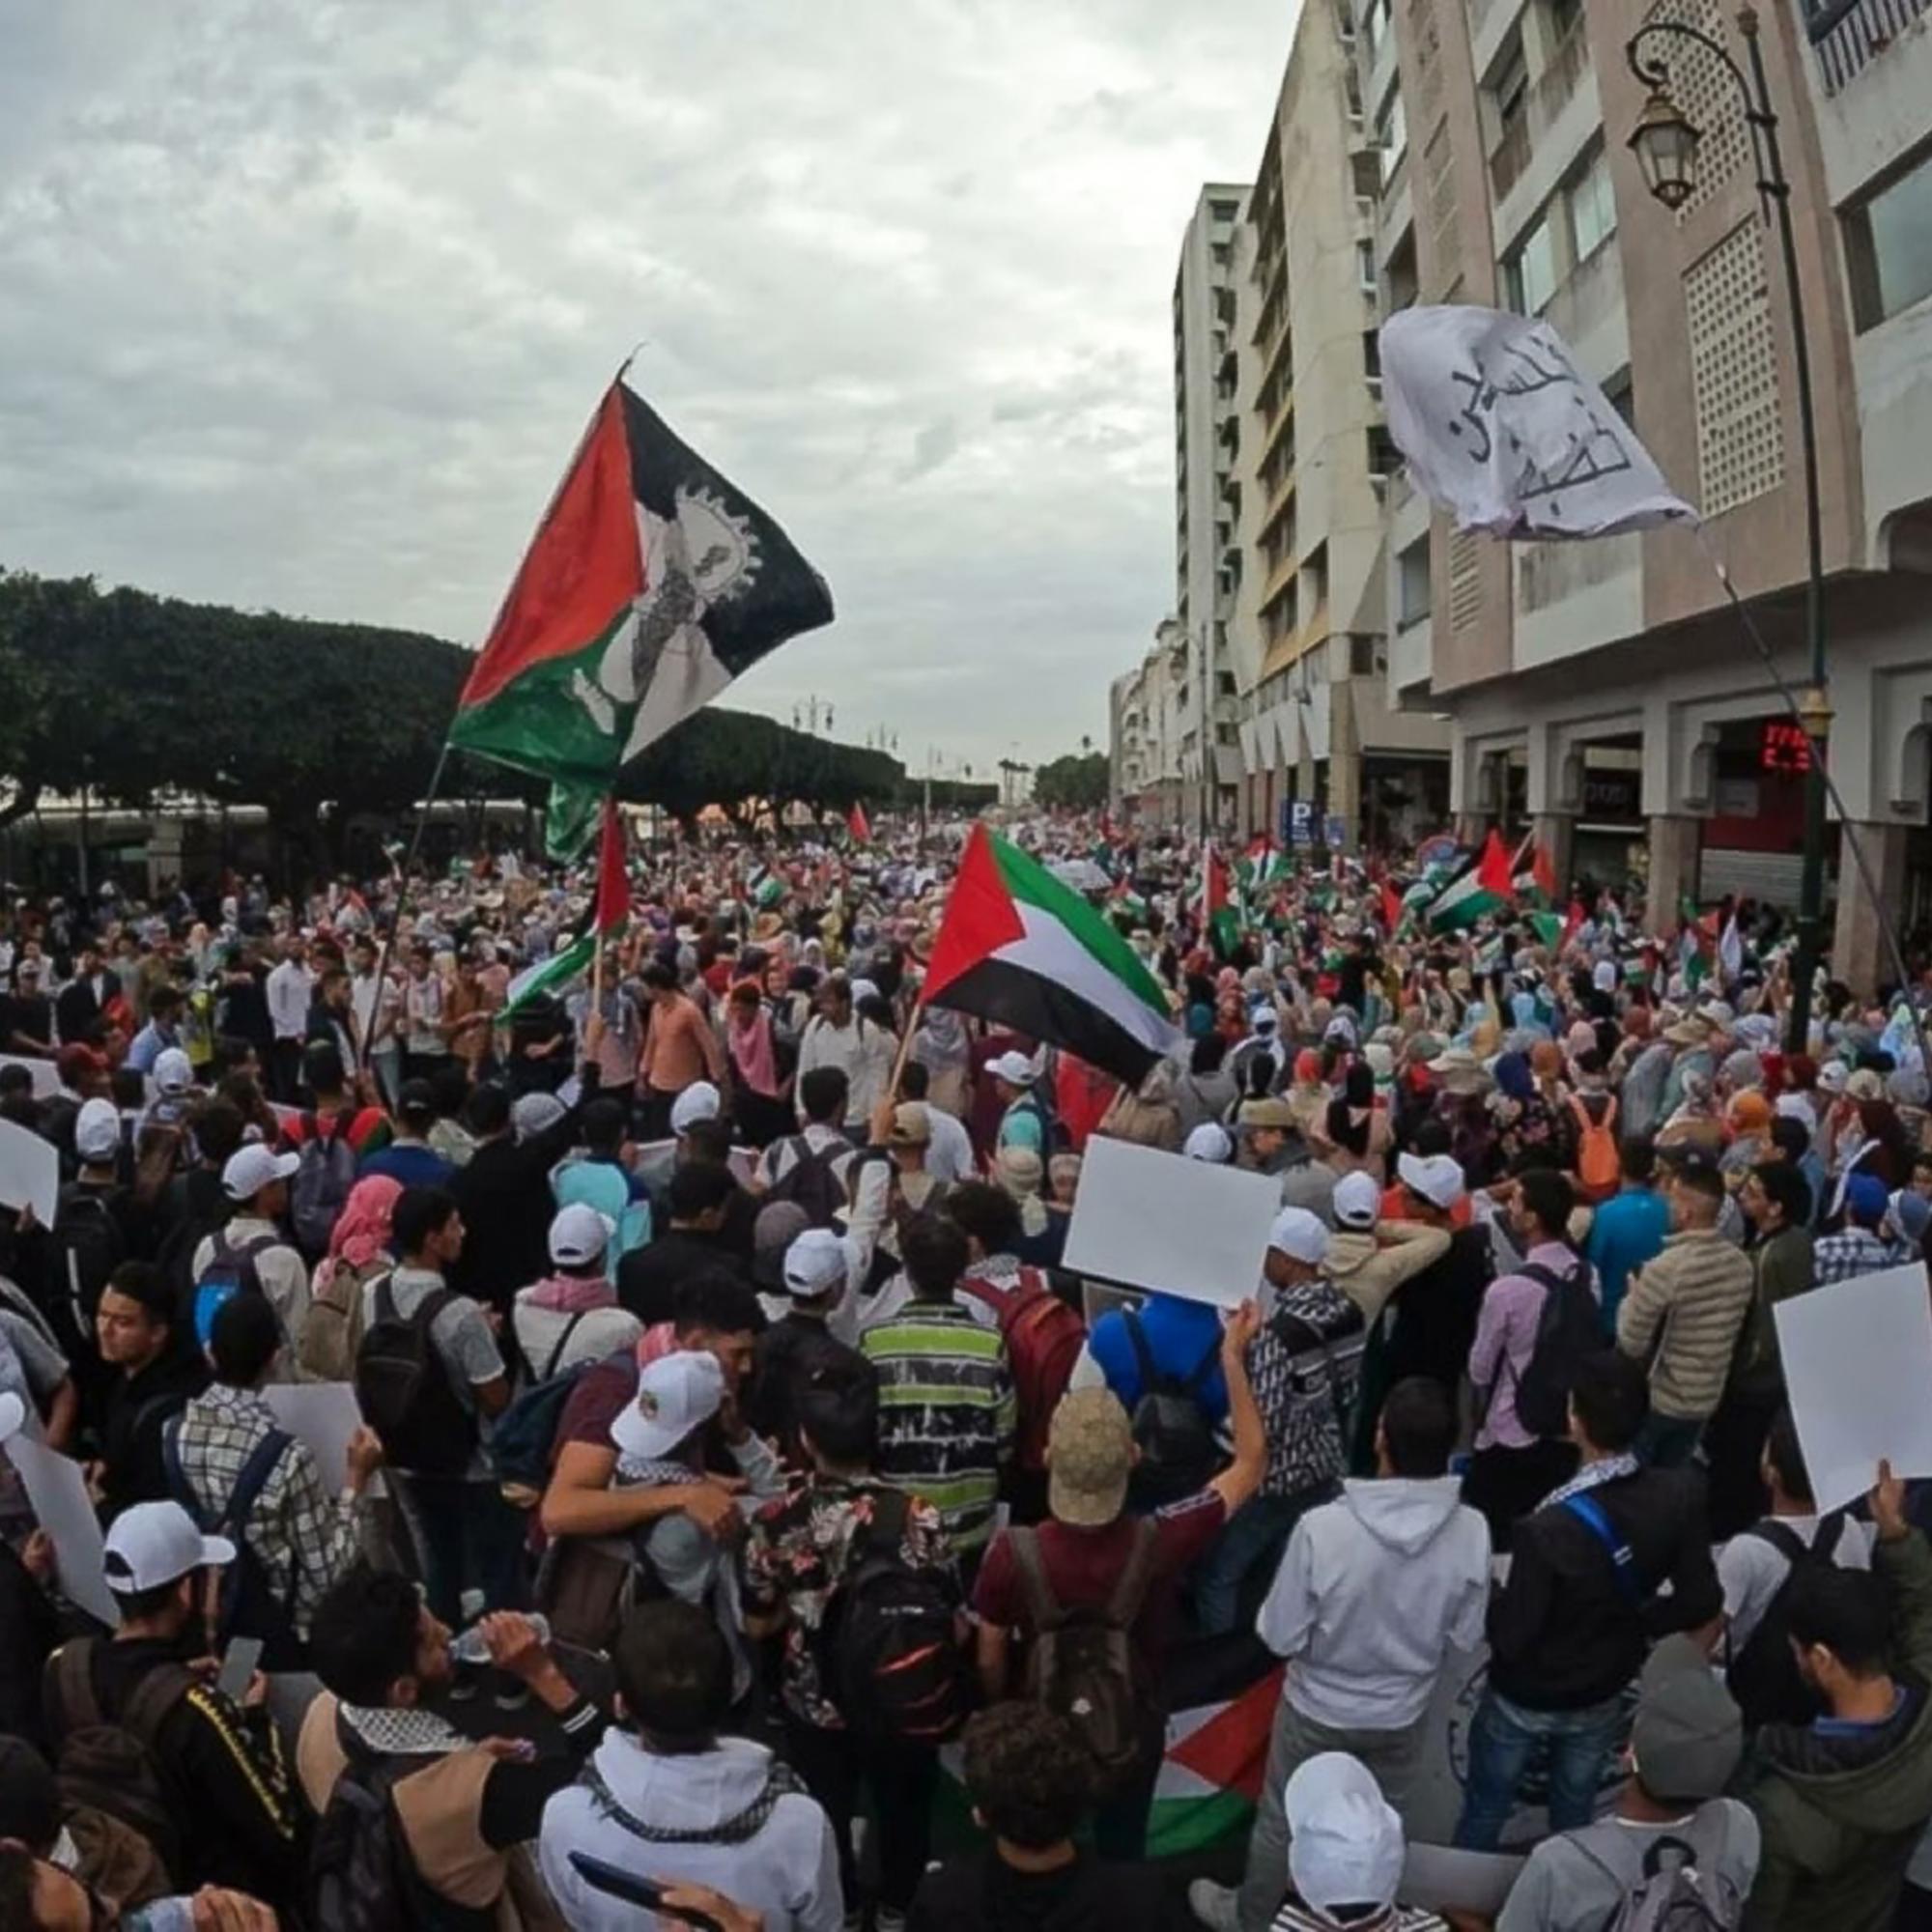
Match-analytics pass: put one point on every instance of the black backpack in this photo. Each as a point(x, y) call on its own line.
point(323, 1180)
point(1083, 1664)
point(252, 1603)
point(111, 1765)
point(1569, 1327)
point(361, 1877)
point(1762, 1673)
point(84, 1248)
point(404, 1389)
point(811, 1181)
point(1179, 1452)
point(891, 1640)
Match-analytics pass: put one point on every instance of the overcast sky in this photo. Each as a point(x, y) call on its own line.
point(304, 307)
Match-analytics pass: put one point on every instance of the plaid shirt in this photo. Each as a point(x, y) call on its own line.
point(1853, 1251)
point(303, 1538)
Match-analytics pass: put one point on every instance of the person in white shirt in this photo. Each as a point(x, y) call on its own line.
point(256, 1181)
point(290, 989)
point(571, 1314)
point(859, 1048)
point(425, 1045)
point(1374, 1592)
point(376, 1001)
point(949, 1152)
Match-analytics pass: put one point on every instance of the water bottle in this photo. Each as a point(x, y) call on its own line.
point(471, 1649)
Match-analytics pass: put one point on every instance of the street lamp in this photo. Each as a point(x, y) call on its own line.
point(1666, 143)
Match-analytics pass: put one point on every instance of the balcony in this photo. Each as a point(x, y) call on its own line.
point(1848, 35)
point(1543, 103)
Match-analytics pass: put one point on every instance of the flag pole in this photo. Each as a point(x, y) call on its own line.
point(403, 894)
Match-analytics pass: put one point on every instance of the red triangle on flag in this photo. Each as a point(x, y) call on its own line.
point(613, 880)
point(1543, 870)
point(1391, 907)
point(1230, 1750)
point(1493, 868)
point(858, 825)
point(981, 915)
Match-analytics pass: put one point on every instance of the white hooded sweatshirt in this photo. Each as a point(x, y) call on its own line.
point(1374, 1591)
point(787, 1869)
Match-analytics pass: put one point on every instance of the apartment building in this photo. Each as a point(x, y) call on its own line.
point(1143, 713)
point(1606, 692)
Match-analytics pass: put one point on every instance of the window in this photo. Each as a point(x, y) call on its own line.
point(1412, 594)
point(1224, 683)
point(1384, 458)
point(1392, 135)
point(1365, 266)
point(1372, 353)
point(1365, 173)
point(1621, 397)
point(1375, 23)
point(1222, 211)
point(1361, 656)
point(1592, 206)
point(1889, 241)
point(1404, 284)
point(1509, 91)
point(1530, 268)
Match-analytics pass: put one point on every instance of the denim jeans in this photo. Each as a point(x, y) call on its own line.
point(1668, 1441)
point(1504, 1738)
point(469, 1538)
point(1257, 1533)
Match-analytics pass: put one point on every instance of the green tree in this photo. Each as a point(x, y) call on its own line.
point(1078, 781)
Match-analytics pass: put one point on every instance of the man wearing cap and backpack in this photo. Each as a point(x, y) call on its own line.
point(146, 1739)
point(250, 1254)
point(1090, 1595)
point(89, 1240)
point(1023, 1118)
point(329, 1141)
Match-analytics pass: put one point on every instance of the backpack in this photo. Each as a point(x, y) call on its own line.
point(84, 1248)
point(230, 1271)
point(526, 1431)
point(251, 1603)
point(891, 1639)
point(1081, 1663)
point(1762, 1675)
point(1043, 1339)
point(332, 1333)
point(1598, 1168)
point(1569, 1327)
point(811, 1181)
point(321, 1182)
point(109, 1766)
point(1684, 1895)
point(404, 1389)
point(1179, 1452)
point(361, 1877)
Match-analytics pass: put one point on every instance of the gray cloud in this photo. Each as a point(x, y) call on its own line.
point(304, 307)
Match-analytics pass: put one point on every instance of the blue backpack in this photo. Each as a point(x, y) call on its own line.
point(231, 1271)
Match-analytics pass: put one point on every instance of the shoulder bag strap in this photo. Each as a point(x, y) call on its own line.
point(1589, 1512)
point(1042, 1605)
point(179, 1486)
point(251, 1481)
point(72, 1672)
point(1786, 1541)
point(1199, 1374)
point(431, 1306)
point(152, 1699)
point(1123, 1606)
point(1151, 1378)
point(563, 1342)
point(385, 1297)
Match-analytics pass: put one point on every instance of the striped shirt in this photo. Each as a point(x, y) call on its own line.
point(946, 1413)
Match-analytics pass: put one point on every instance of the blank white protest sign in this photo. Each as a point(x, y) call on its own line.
point(1172, 1225)
point(57, 1490)
point(29, 1171)
point(1858, 1368)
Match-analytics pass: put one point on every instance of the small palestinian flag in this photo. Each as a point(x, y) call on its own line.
point(1019, 948)
point(651, 584)
point(1477, 893)
point(1220, 921)
point(1262, 868)
point(609, 911)
point(1127, 903)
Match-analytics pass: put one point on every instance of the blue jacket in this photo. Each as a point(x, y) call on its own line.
point(1628, 1230)
point(1178, 1333)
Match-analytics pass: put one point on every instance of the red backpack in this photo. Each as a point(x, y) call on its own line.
point(1043, 1339)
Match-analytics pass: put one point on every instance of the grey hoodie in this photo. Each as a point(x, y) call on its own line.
point(787, 1869)
point(1373, 1593)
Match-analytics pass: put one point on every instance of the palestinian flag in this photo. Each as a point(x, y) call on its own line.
point(1554, 932)
point(1215, 904)
point(1262, 868)
point(1475, 894)
point(1391, 908)
point(1018, 946)
point(1537, 886)
point(1127, 903)
point(609, 911)
point(857, 827)
point(650, 584)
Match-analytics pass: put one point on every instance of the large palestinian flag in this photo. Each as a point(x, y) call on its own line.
point(1018, 946)
point(651, 584)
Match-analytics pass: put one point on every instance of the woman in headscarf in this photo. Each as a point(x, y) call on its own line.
point(359, 1250)
point(1207, 1091)
point(1307, 1095)
point(1748, 1121)
point(1695, 1121)
point(1147, 1116)
point(758, 1084)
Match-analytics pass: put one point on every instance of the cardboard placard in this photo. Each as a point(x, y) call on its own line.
point(29, 1171)
point(1857, 1361)
point(57, 1488)
point(1162, 1222)
point(322, 1415)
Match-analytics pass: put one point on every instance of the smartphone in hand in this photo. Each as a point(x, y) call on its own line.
point(237, 1668)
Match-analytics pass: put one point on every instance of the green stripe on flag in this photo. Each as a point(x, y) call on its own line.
point(548, 975)
point(1029, 880)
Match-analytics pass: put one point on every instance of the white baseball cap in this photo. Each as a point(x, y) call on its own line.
point(1345, 1845)
point(1437, 1177)
point(676, 1395)
point(1603, 975)
point(815, 1262)
point(1359, 1200)
point(151, 1544)
point(699, 1101)
point(578, 1235)
point(252, 1167)
point(1208, 1141)
point(536, 1114)
point(1013, 1067)
point(1299, 1235)
point(97, 1130)
point(174, 1071)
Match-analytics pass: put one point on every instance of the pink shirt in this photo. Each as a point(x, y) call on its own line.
point(1507, 1328)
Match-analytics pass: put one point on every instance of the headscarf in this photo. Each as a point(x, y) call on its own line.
point(1020, 1173)
point(361, 1231)
point(1513, 1077)
point(750, 1041)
